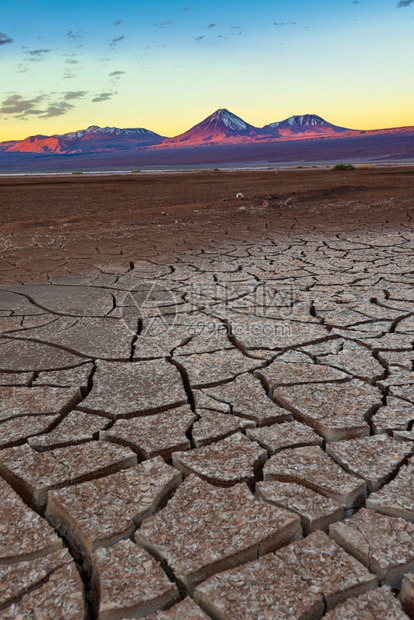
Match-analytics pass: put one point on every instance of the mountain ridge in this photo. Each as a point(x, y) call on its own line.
point(220, 128)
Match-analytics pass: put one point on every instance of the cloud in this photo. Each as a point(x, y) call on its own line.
point(71, 61)
point(75, 94)
point(4, 39)
point(211, 26)
point(116, 74)
point(163, 24)
point(198, 39)
point(187, 8)
point(102, 97)
point(57, 109)
point(118, 22)
point(16, 105)
point(404, 3)
point(115, 41)
point(73, 35)
point(39, 52)
point(43, 106)
point(284, 23)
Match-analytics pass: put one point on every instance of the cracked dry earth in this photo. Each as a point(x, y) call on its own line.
point(225, 435)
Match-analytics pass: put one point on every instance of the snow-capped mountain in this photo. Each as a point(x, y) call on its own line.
point(101, 132)
point(305, 124)
point(221, 126)
point(94, 139)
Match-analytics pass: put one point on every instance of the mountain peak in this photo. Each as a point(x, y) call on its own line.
point(220, 127)
point(304, 124)
point(226, 118)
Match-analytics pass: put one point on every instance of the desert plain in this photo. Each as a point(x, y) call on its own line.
point(207, 401)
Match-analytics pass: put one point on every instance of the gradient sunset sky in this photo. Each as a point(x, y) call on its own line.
point(166, 65)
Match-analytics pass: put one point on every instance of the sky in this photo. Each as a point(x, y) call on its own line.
point(166, 65)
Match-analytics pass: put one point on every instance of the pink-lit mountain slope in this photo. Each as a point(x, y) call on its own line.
point(307, 125)
point(222, 127)
point(91, 140)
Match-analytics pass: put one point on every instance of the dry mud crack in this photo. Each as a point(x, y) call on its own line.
point(222, 433)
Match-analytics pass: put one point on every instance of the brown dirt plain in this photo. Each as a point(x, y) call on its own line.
point(63, 224)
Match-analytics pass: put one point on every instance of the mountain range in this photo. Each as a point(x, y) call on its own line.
point(219, 129)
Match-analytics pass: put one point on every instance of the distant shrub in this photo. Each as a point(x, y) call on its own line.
point(365, 167)
point(77, 172)
point(299, 167)
point(137, 170)
point(315, 166)
point(216, 170)
point(344, 167)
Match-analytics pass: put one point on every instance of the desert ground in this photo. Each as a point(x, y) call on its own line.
point(207, 403)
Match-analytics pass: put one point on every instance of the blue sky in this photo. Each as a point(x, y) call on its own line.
point(167, 65)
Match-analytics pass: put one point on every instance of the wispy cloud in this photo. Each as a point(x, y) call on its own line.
point(75, 94)
point(284, 23)
point(118, 22)
point(198, 39)
point(39, 52)
point(116, 74)
point(187, 8)
point(211, 26)
point(71, 61)
point(163, 24)
point(117, 40)
point(17, 105)
point(404, 3)
point(43, 106)
point(102, 97)
point(4, 39)
point(73, 35)
point(57, 109)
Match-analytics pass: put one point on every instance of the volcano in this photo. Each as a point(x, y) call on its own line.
point(221, 127)
point(307, 125)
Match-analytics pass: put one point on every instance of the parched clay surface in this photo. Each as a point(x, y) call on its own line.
point(222, 430)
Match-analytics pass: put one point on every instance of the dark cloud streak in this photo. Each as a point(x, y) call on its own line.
point(73, 35)
point(16, 105)
point(102, 97)
point(5, 39)
point(40, 52)
point(75, 94)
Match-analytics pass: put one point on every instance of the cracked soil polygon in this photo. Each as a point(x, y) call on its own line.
point(35, 473)
point(335, 410)
point(312, 467)
point(161, 433)
point(316, 511)
point(378, 604)
point(49, 588)
point(384, 544)
point(121, 389)
point(100, 512)
point(286, 435)
point(265, 588)
point(327, 568)
point(205, 529)
point(407, 594)
point(375, 459)
point(127, 581)
point(227, 462)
